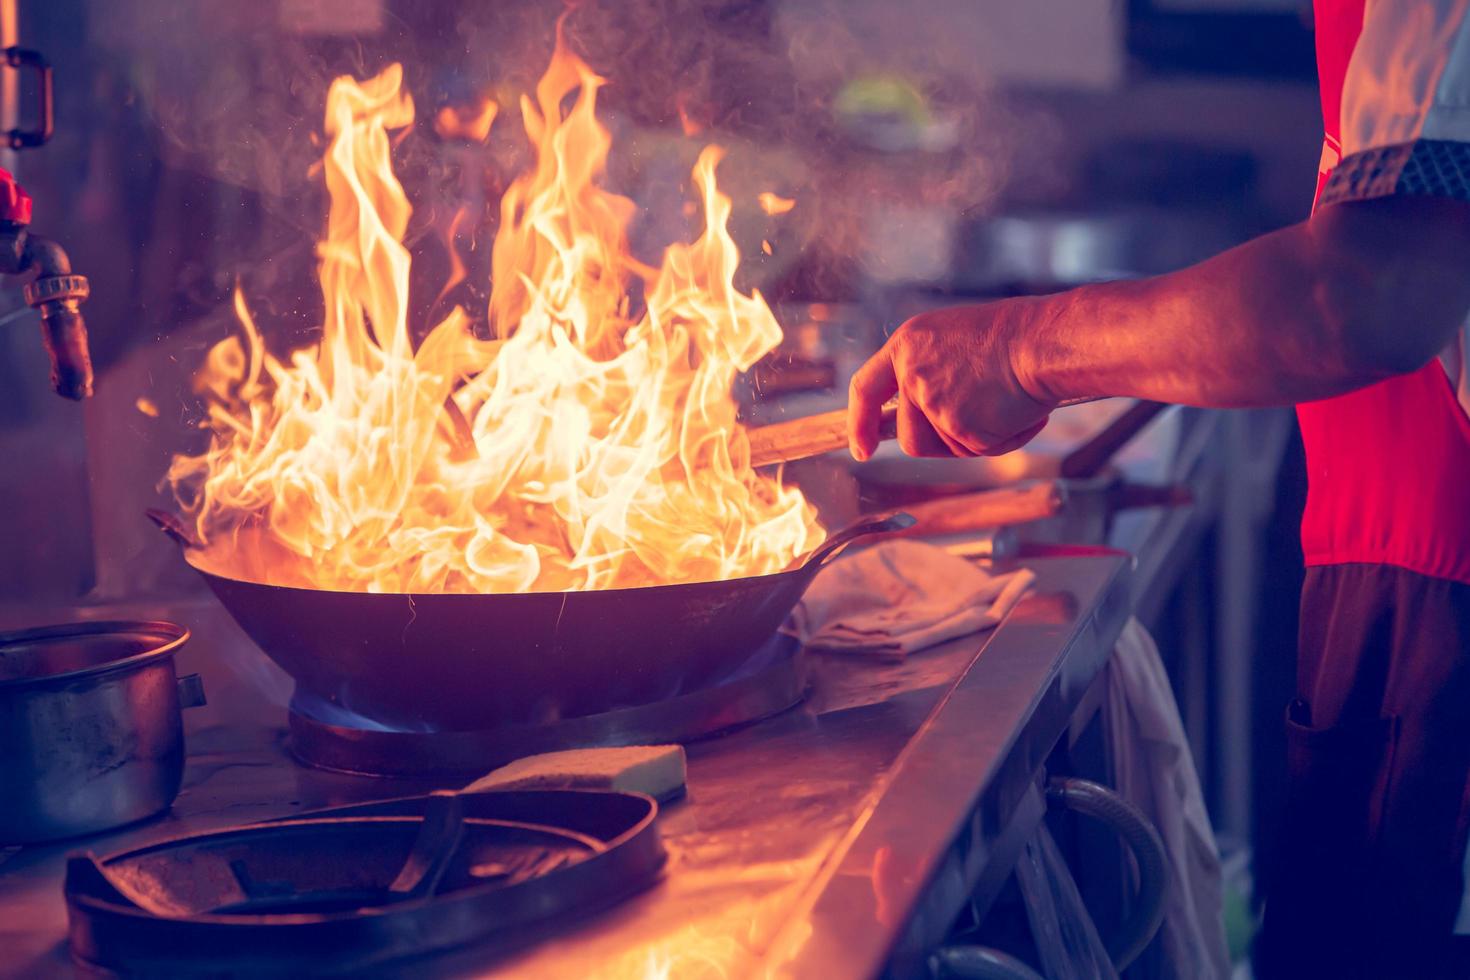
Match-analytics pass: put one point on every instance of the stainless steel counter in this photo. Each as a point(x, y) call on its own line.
point(838, 839)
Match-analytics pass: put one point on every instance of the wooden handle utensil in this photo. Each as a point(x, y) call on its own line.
point(782, 442)
point(986, 508)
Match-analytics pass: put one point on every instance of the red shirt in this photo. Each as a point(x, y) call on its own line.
point(1389, 465)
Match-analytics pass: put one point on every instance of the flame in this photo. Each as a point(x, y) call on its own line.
point(147, 406)
point(592, 443)
point(687, 122)
point(774, 204)
point(466, 122)
point(458, 273)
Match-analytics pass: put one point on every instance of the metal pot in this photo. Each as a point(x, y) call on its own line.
point(90, 731)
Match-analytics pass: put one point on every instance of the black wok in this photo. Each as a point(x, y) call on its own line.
point(473, 662)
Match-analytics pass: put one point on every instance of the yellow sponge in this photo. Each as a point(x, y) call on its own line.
point(657, 770)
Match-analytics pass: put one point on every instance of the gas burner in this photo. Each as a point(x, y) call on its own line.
point(358, 887)
point(771, 681)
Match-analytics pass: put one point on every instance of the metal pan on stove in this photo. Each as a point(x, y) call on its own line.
point(462, 662)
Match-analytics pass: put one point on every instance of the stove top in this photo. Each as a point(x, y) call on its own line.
point(783, 851)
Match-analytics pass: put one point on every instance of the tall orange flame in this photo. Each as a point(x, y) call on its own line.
point(593, 444)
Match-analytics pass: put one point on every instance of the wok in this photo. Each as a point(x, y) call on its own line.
point(464, 662)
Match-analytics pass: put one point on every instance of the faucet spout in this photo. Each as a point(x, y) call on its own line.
point(56, 293)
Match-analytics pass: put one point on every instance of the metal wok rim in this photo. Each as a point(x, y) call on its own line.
point(832, 544)
point(192, 553)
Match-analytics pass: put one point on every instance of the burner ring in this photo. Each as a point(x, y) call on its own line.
point(776, 683)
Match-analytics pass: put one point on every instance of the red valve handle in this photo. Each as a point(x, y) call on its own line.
point(15, 203)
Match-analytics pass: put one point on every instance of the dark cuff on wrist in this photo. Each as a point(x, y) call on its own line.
point(1422, 168)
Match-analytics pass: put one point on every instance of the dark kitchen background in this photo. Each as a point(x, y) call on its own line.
point(937, 151)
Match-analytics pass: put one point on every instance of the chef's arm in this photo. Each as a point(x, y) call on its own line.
point(1361, 291)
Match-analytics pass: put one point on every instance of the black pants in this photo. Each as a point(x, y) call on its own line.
point(1368, 878)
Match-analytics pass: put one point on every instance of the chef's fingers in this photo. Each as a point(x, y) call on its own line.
point(963, 446)
point(916, 435)
point(957, 446)
point(1016, 441)
point(873, 384)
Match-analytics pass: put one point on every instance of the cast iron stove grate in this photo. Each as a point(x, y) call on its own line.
point(345, 889)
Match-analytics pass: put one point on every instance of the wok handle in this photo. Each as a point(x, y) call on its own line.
point(171, 525)
point(813, 435)
point(782, 442)
point(882, 524)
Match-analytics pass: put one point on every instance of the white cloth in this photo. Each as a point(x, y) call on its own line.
point(1409, 77)
point(1154, 771)
point(900, 596)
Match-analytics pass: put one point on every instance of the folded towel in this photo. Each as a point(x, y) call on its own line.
point(657, 770)
point(900, 596)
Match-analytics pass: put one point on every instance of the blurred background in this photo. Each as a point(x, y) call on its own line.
point(944, 151)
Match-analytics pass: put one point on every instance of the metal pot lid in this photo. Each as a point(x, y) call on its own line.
point(347, 888)
point(59, 654)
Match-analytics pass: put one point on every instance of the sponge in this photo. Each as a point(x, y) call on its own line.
point(656, 770)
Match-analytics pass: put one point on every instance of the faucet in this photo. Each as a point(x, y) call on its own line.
point(56, 292)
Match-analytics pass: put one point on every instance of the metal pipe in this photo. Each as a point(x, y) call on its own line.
point(45, 256)
point(9, 82)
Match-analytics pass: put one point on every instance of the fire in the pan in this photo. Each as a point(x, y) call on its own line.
point(592, 444)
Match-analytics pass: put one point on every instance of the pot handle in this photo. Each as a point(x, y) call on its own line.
point(191, 691)
point(881, 524)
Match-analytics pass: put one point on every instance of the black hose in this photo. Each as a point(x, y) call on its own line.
point(978, 963)
point(1092, 800)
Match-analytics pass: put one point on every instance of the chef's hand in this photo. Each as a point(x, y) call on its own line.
point(958, 388)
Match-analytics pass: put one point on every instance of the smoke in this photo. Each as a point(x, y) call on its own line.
point(190, 135)
point(236, 93)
